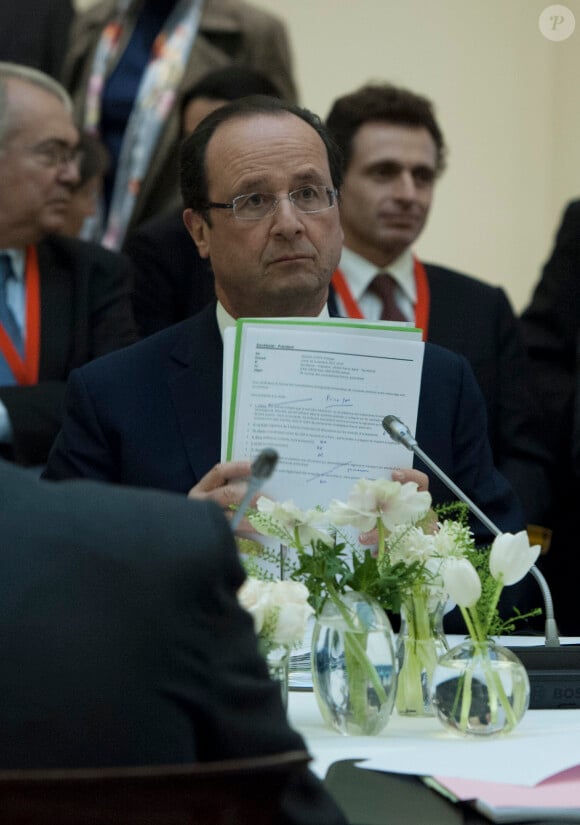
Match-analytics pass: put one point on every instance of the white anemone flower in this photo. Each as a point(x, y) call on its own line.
point(291, 518)
point(451, 538)
point(254, 596)
point(461, 581)
point(410, 544)
point(511, 557)
point(390, 501)
point(280, 609)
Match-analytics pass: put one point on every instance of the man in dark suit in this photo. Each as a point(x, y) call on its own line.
point(150, 415)
point(551, 330)
point(394, 151)
point(122, 640)
point(65, 301)
point(551, 322)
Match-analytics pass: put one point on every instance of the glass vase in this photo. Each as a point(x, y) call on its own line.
point(420, 643)
point(277, 659)
point(354, 673)
point(480, 689)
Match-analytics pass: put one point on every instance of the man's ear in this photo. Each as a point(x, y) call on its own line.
point(198, 229)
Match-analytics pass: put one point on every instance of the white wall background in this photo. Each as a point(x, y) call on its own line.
point(507, 100)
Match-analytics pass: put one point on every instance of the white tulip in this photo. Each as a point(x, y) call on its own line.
point(461, 581)
point(511, 557)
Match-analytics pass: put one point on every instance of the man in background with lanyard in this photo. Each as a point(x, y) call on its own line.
point(62, 301)
point(393, 153)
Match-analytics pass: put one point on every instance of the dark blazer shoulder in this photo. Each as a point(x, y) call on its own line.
point(485, 315)
point(572, 211)
point(568, 234)
point(182, 341)
point(168, 225)
point(102, 507)
point(70, 252)
point(437, 353)
point(443, 277)
point(441, 362)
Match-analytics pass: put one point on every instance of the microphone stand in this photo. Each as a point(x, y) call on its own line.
point(553, 670)
point(401, 434)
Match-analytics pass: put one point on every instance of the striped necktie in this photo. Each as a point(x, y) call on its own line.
point(384, 285)
point(7, 320)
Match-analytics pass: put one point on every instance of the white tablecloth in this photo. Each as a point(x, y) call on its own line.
point(545, 742)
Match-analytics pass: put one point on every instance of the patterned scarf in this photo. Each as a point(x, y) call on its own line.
point(154, 102)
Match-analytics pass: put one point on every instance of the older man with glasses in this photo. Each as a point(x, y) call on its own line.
point(62, 302)
point(259, 182)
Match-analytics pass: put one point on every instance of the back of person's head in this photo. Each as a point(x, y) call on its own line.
point(25, 74)
point(229, 83)
point(93, 158)
point(193, 172)
point(92, 164)
point(383, 103)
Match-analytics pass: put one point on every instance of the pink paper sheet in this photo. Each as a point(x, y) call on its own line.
point(562, 790)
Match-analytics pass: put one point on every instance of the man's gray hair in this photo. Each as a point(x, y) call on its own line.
point(28, 75)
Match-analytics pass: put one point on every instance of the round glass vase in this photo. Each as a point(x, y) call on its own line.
point(278, 659)
point(420, 643)
point(480, 689)
point(354, 674)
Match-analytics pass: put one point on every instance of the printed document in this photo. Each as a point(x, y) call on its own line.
point(317, 391)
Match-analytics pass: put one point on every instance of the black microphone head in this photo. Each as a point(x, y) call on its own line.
point(264, 464)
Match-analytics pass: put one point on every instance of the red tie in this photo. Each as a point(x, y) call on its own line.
point(384, 285)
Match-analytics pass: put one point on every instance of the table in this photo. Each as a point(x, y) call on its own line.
point(382, 799)
point(327, 746)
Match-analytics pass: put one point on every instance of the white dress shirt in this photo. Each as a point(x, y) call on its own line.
point(225, 320)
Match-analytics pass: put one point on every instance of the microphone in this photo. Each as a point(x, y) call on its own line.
point(262, 468)
point(401, 434)
point(554, 671)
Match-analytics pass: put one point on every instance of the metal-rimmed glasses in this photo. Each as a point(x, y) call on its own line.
point(54, 153)
point(257, 205)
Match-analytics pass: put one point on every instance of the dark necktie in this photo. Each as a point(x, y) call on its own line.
point(384, 285)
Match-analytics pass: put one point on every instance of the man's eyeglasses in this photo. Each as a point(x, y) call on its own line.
point(256, 205)
point(54, 153)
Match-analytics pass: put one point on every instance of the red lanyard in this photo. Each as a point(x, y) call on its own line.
point(25, 370)
point(353, 310)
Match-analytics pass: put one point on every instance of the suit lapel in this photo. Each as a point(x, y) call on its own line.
point(195, 387)
point(331, 302)
point(56, 308)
